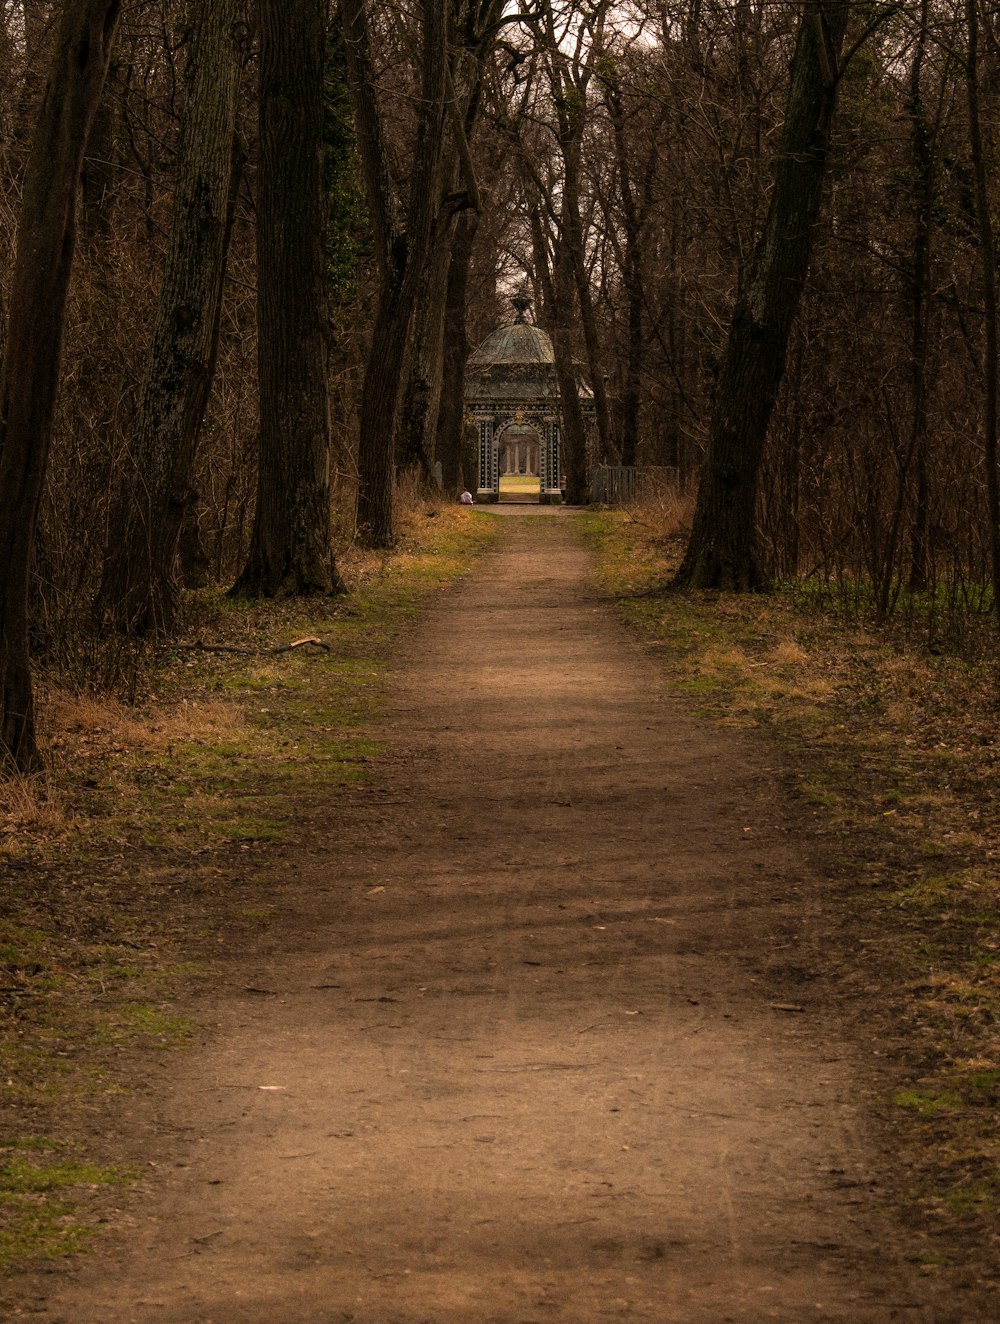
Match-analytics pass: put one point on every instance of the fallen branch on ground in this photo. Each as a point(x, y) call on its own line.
point(199, 647)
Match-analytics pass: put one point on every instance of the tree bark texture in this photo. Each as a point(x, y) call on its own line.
point(573, 243)
point(451, 407)
point(28, 388)
point(722, 551)
point(138, 591)
point(558, 288)
point(988, 269)
point(402, 252)
point(425, 361)
point(290, 551)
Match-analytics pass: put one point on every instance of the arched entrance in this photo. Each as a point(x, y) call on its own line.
point(512, 394)
point(519, 462)
point(524, 443)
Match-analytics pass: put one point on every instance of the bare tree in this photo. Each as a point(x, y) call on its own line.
point(403, 236)
point(988, 262)
point(138, 587)
point(722, 550)
point(46, 238)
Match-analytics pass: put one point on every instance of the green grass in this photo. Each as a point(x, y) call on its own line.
point(927, 1105)
point(132, 859)
point(894, 748)
point(37, 1212)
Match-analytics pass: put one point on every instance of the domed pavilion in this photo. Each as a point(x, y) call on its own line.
point(512, 392)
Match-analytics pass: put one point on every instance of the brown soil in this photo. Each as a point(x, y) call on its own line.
point(541, 1032)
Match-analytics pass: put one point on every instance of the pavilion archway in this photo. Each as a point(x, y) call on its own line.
point(518, 432)
point(512, 390)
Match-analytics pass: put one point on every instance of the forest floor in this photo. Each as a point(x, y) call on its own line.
point(547, 1000)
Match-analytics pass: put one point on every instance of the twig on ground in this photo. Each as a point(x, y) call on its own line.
point(199, 647)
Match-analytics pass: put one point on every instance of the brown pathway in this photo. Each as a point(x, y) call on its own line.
point(523, 1065)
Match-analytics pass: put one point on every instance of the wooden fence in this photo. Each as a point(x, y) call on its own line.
point(617, 484)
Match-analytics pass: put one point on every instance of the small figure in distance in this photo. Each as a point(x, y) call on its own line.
point(466, 498)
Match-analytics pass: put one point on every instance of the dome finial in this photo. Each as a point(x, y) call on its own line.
point(522, 302)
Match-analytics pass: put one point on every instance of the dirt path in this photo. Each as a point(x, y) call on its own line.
point(521, 1063)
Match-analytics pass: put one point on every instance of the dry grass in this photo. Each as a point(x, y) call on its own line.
point(151, 833)
point(664, 511)
point(896, 755)
point(28, 806)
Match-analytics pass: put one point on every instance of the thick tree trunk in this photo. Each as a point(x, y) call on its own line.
point(631, 272)
point(138, 590)
point(722, 551)
point(416, 431)
point(574, 430)
point(290, 551)
point(28, 388)
point(451, 410)
point(379, 407)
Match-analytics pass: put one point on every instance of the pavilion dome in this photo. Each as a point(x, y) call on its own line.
point(515, 363)
point(512, 345)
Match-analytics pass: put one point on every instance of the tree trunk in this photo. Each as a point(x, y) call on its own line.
point(988, 265)
point(573, 241)
point(422, 395)
point(631, 269)
point(379, 407)
point(574, 430)
point(100, 172)
point(402, 253)
point(558, 301)
point(28, 388)
point(138, 591)
point(451, 409)
point(722, 551)
point(919, 289)
point(290, 551)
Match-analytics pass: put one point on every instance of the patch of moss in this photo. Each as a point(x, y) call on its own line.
point(816, 795)
point(34, 1224)
point(931, 891)
point(18, 1176)
point(927, 1104)
point(981, 1197)
point(32, 1232)
point(134, 1022)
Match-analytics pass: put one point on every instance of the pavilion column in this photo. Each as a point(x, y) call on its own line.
point(488, 459)
point(549, 488)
